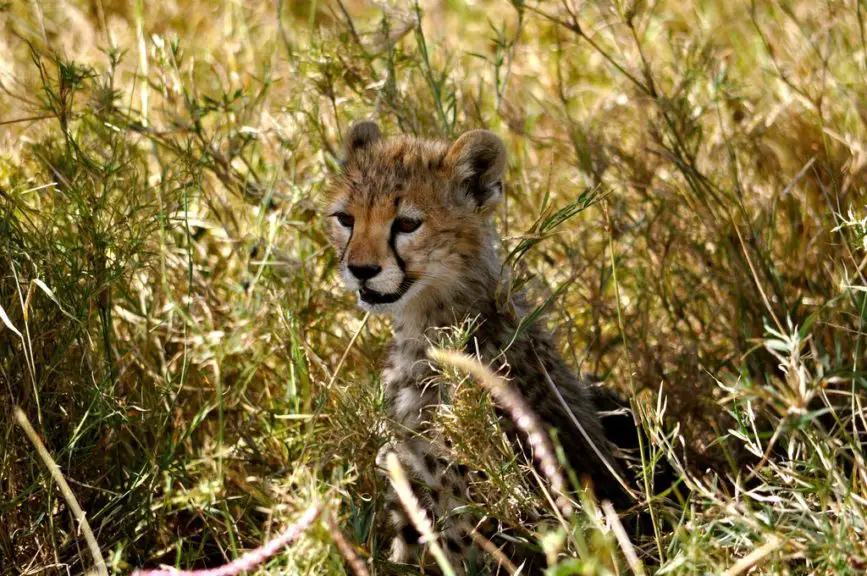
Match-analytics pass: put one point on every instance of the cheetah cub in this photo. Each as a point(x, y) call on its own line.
point(412, 222)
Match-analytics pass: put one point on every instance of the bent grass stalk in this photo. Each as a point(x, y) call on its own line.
point(417, 514)
point(345, 548)
point(622, 538)
point(525, 419)
point(491, 548)
point(65, 490)
point(608, 466)
point(251, 559)
point(755, 557)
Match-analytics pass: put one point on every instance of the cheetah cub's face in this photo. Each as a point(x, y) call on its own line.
point(410, 218)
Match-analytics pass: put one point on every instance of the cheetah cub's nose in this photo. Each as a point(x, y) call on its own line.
point(365, 272)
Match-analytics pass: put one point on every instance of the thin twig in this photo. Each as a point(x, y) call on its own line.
point(494, 551)
point(65, 490)
point(576, 29)
point(756, 278)
point(350, 23)
point(346, 351)
point(767, 454)
point(645, 467)
point(622, 538)
point(345, 548)
point(416, 513)
point(28, 119)
point(754, 557)
point(584, 434)
point(251, 559)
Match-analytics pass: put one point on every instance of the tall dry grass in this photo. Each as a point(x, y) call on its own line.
point(173, 327)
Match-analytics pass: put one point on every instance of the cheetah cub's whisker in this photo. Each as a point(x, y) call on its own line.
point(412, 222)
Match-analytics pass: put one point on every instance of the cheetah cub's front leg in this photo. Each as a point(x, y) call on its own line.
point(440, 485)
point(441, 489)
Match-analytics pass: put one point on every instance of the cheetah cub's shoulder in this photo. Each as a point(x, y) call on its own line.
point(411, 220)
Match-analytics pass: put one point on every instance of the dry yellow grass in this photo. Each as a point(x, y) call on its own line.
point(184, 349)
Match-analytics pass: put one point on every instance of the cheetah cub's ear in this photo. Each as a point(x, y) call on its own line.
point(478, 158)
point(360, 135)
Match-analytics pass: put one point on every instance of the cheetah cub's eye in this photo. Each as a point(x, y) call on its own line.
point(346, 220)
point(406, 225)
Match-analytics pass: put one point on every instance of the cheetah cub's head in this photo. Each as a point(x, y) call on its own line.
point(410, 218)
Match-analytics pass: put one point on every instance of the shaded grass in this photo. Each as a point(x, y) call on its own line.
point(198, 374)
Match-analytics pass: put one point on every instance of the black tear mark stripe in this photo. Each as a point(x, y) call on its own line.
point(392, 241)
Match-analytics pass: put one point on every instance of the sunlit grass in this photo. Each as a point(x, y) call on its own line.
point(685, 203)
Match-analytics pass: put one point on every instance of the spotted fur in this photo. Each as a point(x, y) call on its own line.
point(412, 222)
